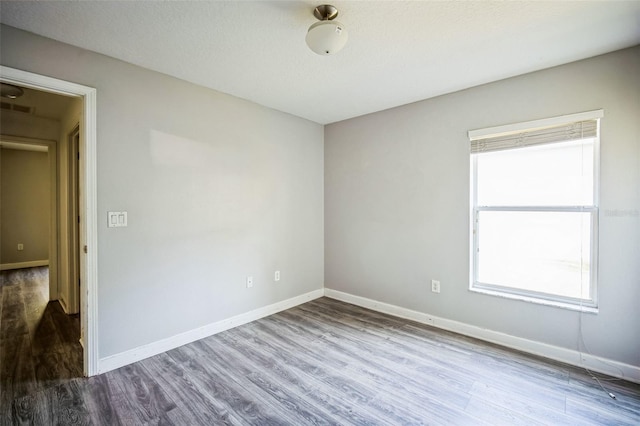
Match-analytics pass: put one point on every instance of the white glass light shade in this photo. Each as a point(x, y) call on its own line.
point(326, 37)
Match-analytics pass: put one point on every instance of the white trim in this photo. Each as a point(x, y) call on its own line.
point(42, 82)
point(595, 218)
point(550, 209)
point(141, 352)
point(20, 265)
point(507, 129)
point(90, 282)
point(536, 298)
point(385, 308)
point(89, 294)
point(594, 363)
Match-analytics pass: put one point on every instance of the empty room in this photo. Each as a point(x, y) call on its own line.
point(289, 212)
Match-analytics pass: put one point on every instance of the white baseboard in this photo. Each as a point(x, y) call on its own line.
point(20, 265)
point(569, 356)
point(137, 354)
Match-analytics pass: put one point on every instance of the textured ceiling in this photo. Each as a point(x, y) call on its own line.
point(398, 51)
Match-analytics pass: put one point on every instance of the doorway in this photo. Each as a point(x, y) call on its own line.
point(40, 341)
point(74, 220)
point(87, 206)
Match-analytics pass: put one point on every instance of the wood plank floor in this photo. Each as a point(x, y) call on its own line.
point(39, 346)
point(327, 362)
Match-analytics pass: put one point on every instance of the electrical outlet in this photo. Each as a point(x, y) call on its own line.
point(20, 247)
point(276, 276)
point(249, 282)
point(435, 286)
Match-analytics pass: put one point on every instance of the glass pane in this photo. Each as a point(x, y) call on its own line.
point(547, 252)
point(558, 174)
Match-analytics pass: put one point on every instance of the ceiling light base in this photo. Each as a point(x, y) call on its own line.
point(10, 91)
point(325, 12)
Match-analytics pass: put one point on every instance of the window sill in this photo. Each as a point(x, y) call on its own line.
point(537, 301)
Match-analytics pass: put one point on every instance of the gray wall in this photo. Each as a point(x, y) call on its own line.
point(24, 205)
point(397, 203)
point(216, 188)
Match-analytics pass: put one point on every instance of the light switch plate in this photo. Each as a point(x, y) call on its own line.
point(116, 219)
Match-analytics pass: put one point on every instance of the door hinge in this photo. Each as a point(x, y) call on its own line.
point(85, 249)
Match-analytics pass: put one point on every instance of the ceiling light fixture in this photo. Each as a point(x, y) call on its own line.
point(327, 36)
point(10, 91)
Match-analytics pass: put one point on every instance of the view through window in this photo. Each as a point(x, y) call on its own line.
point(534, 213)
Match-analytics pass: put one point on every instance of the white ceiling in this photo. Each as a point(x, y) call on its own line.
point(398, 51)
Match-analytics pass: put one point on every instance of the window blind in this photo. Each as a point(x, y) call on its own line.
point(565, 132)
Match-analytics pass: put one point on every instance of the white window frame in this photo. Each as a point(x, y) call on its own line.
point(587, 305)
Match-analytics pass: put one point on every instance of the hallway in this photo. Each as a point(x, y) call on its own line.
point(39, 343)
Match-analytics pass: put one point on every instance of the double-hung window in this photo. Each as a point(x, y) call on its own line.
point(534, 214)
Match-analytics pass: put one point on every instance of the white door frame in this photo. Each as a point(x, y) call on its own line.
point(89, 280)
point(74, 235)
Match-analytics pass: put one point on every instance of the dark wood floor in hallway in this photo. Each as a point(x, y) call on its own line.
point(328, 362)
point(39, 346)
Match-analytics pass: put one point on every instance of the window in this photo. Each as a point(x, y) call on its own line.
point(534, 214)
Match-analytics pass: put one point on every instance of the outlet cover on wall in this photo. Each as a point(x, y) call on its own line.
point(249, 282)
point(435, 286)
point(276, 276)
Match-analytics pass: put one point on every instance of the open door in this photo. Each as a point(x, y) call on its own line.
point(75, 219)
